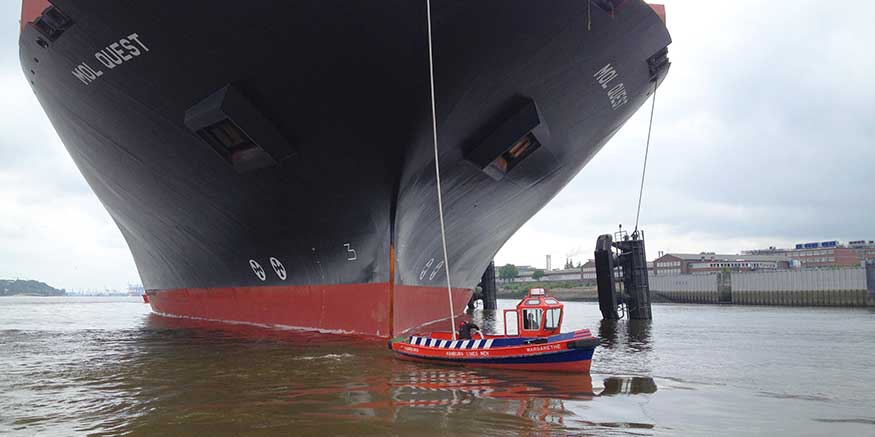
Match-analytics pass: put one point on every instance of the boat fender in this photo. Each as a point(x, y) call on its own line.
point(584, 343)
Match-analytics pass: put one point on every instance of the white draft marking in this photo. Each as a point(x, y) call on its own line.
point(437, 269)
point(351, 255)
point(257, 269)
point(425, 269)
point(279, 268)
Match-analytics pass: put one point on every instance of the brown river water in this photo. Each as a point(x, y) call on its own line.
point(107, 366)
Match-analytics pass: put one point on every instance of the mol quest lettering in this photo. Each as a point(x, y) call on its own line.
point(617, 94)
point(113, 55)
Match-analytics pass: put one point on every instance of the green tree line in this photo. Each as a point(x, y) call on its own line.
point(18, 287)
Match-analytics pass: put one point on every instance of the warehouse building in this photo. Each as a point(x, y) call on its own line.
point(699, 263)
point(865, 249)
point(825, 254)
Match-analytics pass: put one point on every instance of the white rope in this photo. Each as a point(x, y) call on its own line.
point(646, 152)
point(437, 173)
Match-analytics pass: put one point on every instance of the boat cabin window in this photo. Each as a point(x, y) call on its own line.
point(550, 301)
point(510, 323)
point(533, 302)
point(532, 319)
point(553, 317)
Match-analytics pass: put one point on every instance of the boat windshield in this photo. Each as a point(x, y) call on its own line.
point(553, 317)
point(532, 319)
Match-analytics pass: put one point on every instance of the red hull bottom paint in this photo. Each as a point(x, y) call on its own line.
point(347, 308)
point(570, 367)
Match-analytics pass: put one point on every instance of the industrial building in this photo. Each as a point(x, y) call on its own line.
point(865, 249)
point(688, 263)
point(825, 254)
point(526, 274)
point(588, 270)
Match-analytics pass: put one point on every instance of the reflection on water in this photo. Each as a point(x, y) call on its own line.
point(628, 386)
point(107, 368)
point(185, 376)
point(634, 335)
point(407, 392)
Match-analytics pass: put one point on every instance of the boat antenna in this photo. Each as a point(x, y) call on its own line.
point(437, 172)
point(646, 153)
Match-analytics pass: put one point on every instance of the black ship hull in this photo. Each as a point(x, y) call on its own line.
point(274, 163)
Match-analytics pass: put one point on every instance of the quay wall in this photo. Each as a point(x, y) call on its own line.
point(685, 288)
point(848, 287)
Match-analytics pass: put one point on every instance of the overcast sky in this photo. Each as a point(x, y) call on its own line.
point(763, 136)
point(52, 227)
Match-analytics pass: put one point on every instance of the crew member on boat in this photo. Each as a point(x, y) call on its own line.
point(531, 321)
point(468, 330)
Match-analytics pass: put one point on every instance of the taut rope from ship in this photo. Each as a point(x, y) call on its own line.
point(646, 153)
point(437, 172)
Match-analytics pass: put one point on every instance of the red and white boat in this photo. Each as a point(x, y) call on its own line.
point(538, 345)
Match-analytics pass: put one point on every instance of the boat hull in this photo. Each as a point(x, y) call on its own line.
point(568, 362)
point(570, 352)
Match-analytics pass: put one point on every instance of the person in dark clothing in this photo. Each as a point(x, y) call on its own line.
point(531, 322)
point(467, 330)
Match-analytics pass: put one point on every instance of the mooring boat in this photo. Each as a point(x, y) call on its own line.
point(538, 343)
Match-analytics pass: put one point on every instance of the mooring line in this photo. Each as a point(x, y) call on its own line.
point(437, 172)
point(646, 153)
